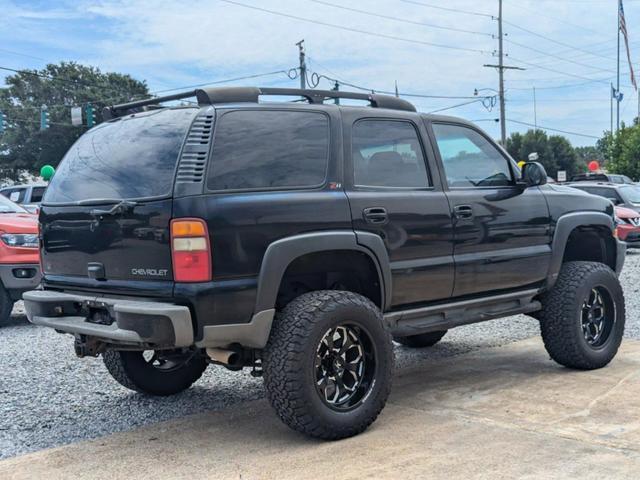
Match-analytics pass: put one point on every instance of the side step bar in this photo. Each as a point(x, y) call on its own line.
point(449, 315)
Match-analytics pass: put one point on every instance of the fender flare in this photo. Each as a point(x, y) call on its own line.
point(564, 226)
point(281, 253)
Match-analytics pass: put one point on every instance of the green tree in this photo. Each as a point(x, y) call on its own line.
point(623, 150)
point(23, 146)
point(588, 154)
point(554, 152)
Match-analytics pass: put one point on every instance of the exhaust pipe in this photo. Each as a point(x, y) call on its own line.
point(229, 358)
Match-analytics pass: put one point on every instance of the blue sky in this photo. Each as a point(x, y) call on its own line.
point(568, 48)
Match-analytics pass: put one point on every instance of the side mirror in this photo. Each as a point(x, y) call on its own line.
point(533, 174)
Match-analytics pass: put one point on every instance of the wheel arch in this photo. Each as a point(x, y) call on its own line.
point(568, 227)
point(281, 254)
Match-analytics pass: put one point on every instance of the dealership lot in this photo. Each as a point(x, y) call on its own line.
point(48, 398)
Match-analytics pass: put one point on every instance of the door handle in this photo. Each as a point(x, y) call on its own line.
point(375, 215)
point(463, 211)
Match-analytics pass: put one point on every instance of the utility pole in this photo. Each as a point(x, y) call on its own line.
point(618, 77)
point(503, 126)
point(611, 106)
point(303, 65)
point(535, 109)
point(501, 68)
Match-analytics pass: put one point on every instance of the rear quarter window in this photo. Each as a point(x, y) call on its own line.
point(269, 149)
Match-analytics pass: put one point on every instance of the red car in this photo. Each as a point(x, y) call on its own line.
point(628, 226)
point(19, 257)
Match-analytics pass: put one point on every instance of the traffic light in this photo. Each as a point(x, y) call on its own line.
point(91, 115)
point(3, 122)
point(44, 118)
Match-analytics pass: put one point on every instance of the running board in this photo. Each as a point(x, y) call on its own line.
point(449, 315)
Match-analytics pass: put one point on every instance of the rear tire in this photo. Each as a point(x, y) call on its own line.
point(328, 364)
point(582, 317)
point(421, 340)
point(161, 377)
point(6, 305)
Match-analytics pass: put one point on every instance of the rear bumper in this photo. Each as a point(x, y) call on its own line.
point(20, 277)
point(138, 323)
point(135, 323)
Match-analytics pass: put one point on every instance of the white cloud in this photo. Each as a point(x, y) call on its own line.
point(180, 43)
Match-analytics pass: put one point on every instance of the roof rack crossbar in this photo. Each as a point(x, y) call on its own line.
point(214, 96)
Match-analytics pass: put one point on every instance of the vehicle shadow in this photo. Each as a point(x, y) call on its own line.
point(16, 320)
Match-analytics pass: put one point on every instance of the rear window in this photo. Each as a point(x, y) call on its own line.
point(134, 157)
point(269, 150)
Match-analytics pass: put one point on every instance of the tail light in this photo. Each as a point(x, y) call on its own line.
point(190, 250)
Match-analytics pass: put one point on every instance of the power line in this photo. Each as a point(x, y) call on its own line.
point(228, 80)
point(21, 54)
point(354, 30)
point(558, 42)
point(315, 77)
point(535, 65)
point(448, 9)
point(455, 106)
point(563, 21)
point(553, 129)
point(558, 57)
point(398, 19)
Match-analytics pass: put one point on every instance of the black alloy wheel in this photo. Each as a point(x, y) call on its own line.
point(344, 366)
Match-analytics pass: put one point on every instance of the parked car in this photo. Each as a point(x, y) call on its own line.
point(621, 195)
point(303, 238)
point(603, 177)
point(628, 226)
point(29, 196)
point(19, 256)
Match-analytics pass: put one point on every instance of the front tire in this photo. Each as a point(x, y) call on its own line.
point(328, 364)
point(159, 373)
point(582, 317)
point(6, 305)
point(421, 340)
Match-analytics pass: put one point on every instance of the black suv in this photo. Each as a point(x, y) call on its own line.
point(298, 239)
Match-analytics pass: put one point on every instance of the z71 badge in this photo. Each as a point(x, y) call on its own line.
point(150, 272)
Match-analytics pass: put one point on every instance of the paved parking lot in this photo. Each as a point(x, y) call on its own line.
point(49, 398)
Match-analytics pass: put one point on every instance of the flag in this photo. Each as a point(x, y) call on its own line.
point(622, 24)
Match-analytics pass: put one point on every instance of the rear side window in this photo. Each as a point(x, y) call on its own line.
point(601, 192)
point(269, 149)
point(134, 157)
point(36, 194)
point(387, 153)
point(15, 194)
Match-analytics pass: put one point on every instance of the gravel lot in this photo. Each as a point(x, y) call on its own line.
point(48, 397)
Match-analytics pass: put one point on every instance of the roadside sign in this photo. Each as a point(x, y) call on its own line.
point(562, 176)
point(76, 116)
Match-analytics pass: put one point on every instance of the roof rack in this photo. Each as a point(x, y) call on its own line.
point(214, 96)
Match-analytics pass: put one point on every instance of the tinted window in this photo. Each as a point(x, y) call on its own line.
point(601, 192)
point(387, 153)
point(631, 194)
point(133, 157)
point(15, 194)
point(36, 194)
point(269, 149)
point(469, 159)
